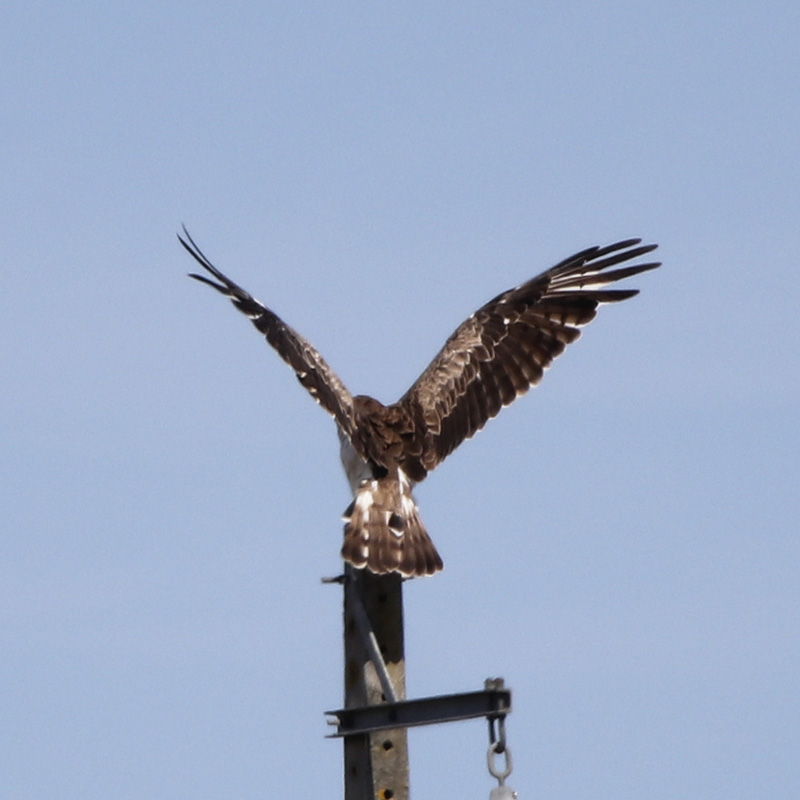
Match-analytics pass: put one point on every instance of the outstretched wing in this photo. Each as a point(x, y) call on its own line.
point(321, 381)
point(503, 348)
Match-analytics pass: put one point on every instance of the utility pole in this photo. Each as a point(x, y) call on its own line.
point(376, 715)
point(376, 763)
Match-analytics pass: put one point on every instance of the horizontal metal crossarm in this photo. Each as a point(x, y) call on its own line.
point(490, 702)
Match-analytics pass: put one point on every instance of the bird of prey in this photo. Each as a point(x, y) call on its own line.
point(492, 358)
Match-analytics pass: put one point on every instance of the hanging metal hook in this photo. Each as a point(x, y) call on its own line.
point(497, 732)
point(494, 770)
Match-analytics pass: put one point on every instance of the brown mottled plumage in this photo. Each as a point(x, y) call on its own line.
point(492, 358)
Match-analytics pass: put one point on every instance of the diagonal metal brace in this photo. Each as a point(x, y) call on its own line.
point(493, 702)
point(371, 644)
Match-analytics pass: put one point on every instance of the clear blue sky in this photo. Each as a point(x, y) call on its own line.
point(621, 545)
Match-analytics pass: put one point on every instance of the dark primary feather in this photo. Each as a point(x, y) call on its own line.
point(504, 347)
point(311, 369)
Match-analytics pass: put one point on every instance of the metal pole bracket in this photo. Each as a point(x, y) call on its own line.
point(492, 702)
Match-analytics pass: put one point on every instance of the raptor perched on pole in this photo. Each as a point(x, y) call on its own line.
point(492, 358)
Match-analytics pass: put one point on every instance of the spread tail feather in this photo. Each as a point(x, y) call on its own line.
point(383, 531)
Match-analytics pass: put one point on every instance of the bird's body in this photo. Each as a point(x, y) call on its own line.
point(382, 524)
point(494, 356)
